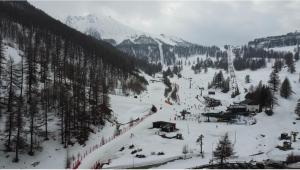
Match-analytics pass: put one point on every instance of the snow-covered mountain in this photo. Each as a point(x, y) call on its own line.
point(289, 39)
point(155, 48)
point(106, 27)
point(102, 26)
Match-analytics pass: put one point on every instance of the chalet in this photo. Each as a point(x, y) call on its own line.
point(165, 126)
point(251, 105)
point(237, 109)
point(211, 102)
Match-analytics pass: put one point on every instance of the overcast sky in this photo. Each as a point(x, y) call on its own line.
point(205, 22)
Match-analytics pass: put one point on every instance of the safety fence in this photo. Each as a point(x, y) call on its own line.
point(75, 161)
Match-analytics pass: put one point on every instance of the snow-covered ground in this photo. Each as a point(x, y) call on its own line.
point(292, 48)
point(261, 137)
point(248, 139)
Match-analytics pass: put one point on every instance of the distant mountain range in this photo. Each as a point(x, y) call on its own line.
point(160, 48)
point(289, 39)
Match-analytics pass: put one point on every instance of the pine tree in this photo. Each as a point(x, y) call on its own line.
point(296, 56)
point(205, 68)
point(235, 92)
point(277, 65)
point(292, 68)
point(268, 98)
point(2, 59)
point(19, 117)
point(45, 79)
point(247, 78)
point(274, 81)
point(226, 85)
point(286, 89)
point(290, 62)
point(297, 109)
point(224, 149)
point(174, 94)
point(12, 82)
point(218, 80)
point(31, 78)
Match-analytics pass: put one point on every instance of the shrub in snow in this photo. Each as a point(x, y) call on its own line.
point(247, 78)
point(131, 146)
point(140, 156)
point(121, 149)
point(154, 109)
point(269, 112)
point(291, 158)
point(160, 153)
point(134, 152)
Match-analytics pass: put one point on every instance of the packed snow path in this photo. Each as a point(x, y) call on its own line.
point(161, 52)
point(233, 79)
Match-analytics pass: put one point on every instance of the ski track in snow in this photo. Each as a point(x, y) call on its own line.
point(161, 53)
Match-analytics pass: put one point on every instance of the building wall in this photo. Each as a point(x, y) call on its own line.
point(253, 108)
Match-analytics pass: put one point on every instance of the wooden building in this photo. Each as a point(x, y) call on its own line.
point(165, 126)
point(237, 108)
point(211, 102)
point(251, 105)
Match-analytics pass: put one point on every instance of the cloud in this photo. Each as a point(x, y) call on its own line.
point(203, 22)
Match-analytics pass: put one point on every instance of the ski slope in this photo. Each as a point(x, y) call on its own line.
point(248, 139)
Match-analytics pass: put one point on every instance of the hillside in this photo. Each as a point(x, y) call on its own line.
point(55, 81)
point(289, 39)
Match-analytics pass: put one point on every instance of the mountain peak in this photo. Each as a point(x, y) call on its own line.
point(105, 26)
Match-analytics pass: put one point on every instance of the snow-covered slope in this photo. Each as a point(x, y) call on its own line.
point(252, 141)
point(106, 27)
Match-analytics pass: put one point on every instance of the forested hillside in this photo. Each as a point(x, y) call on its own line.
point(288, 39)
point(57, 71)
